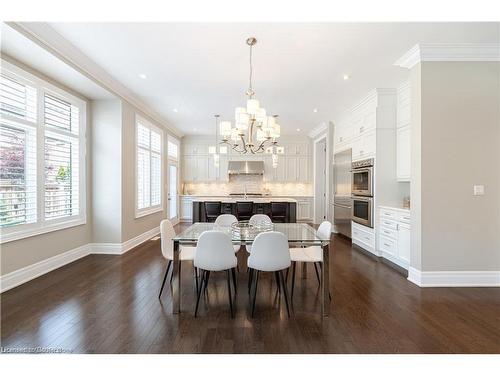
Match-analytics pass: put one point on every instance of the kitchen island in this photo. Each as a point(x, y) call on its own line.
point(261, 205)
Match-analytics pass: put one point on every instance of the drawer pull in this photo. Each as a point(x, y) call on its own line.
point(386, 244)
point(406, 218)
point(387, 223)
point(386, 231)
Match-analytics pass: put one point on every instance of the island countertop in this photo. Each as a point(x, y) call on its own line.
point(241, 199)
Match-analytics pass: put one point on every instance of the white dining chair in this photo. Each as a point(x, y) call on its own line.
point(269, 254)
point(226, 220)
point(214, 253)
point(311, 254)
point(257, 219)
point(186, 253)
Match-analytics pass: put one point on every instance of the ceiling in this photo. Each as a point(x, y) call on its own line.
point(26, 51)
point(197, 70)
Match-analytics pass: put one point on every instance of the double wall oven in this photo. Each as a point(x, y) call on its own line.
point(362, 192)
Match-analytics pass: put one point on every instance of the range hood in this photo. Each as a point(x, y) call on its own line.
point(245, 167)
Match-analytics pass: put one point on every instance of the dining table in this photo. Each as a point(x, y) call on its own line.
point(298, 235)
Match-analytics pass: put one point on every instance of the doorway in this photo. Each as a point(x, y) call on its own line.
point(173, 196)
point(320, 181)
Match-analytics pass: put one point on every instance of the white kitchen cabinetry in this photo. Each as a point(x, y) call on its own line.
point(305, 209)
point(403, 133)
point(394, 235)
point(403, 158)
point(364, 146)
point(364, 237)
point(186, 209)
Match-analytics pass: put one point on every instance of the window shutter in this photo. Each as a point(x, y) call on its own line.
point(17, 99)
point(61, 120)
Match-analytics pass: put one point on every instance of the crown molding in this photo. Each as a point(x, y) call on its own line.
point(318, 130)
point(46, 37)
point(449, 52)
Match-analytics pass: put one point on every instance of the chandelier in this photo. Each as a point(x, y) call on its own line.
point(253, 130)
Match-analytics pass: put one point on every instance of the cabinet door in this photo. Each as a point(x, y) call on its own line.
point(269, 171)
point(369, 143)
point(292, 168)
point(186, 209)
point(403, 159)
point(189, 167)
point(201, 169)
point(303, 165)
point(357, 148)
point(280, 170)
point(223, 164)
point(303, 210)
point(404, 242)
point(213, 172)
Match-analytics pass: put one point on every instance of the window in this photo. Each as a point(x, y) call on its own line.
point(173, 148)
point(149, 155)
point(42, 134)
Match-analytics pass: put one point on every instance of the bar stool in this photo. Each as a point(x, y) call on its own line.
point(212, 211)
point(244, 210)
point(278, 212)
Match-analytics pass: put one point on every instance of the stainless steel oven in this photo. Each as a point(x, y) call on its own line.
point(362, 210)
point(362, 178)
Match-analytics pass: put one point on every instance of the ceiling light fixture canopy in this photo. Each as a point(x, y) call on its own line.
point(251, 122)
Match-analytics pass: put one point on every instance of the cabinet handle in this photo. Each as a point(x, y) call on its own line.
point(386, 244)
point(386, 231)
point(361, 152)
point(387, 223)
point(361, 129)
point(340, 139)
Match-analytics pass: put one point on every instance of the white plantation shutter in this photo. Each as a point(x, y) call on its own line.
point(18, 193)
point(149, 166)
point(41, 164)
point(61, 158)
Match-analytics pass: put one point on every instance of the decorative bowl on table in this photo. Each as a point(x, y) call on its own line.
point(243, 229)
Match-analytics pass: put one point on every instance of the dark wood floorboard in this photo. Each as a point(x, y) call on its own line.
point(109, 304)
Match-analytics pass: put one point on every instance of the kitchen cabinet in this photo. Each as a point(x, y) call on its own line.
point(403, 153)
point(305, 209)
point(394, 235)
point(297, 168)
point(186, 209)
point(364, 146)
point(363, 237)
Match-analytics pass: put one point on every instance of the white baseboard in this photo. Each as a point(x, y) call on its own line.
point(23, 275)
point(454, 278)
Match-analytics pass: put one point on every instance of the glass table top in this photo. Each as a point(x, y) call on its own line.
point(295, 232)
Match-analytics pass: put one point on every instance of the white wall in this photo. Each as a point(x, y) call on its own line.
point(458, 137)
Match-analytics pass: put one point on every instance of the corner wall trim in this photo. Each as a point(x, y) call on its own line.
point(25, 274)
point(429, 279)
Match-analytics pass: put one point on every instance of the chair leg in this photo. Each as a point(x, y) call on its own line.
point(206, 281)
point(165, 278)
point(294, 266)
point(196, 278)
point(317, 273)
point(233, 272)
point(250, 277)
point(229, 293)
point(278, 283)
point(199, 293)
point(285, 293)
point(256, 282)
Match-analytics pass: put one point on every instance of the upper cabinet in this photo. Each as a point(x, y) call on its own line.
point(294, 161)
point(403, 133)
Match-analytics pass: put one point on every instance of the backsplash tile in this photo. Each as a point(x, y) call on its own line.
point(252, 183)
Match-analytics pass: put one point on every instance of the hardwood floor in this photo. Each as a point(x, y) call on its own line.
point(109, 304)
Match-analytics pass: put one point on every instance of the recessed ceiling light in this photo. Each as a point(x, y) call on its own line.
point(298, 129)
point(315, 110)
point(175, 110)
point(143, 76)
point(346, 77)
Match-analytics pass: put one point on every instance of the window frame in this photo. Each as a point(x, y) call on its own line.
point(141, 212)
point(42, 225)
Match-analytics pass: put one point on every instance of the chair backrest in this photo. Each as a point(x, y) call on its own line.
point(258, 219)
point(167, 234)
point(212, 208)
point(244, 209)
point(225, 220)
point(214, 251)
point(325, 230)
point(269, 252)
point(278, 211)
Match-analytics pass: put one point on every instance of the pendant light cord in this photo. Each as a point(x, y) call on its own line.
point(251, 71)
